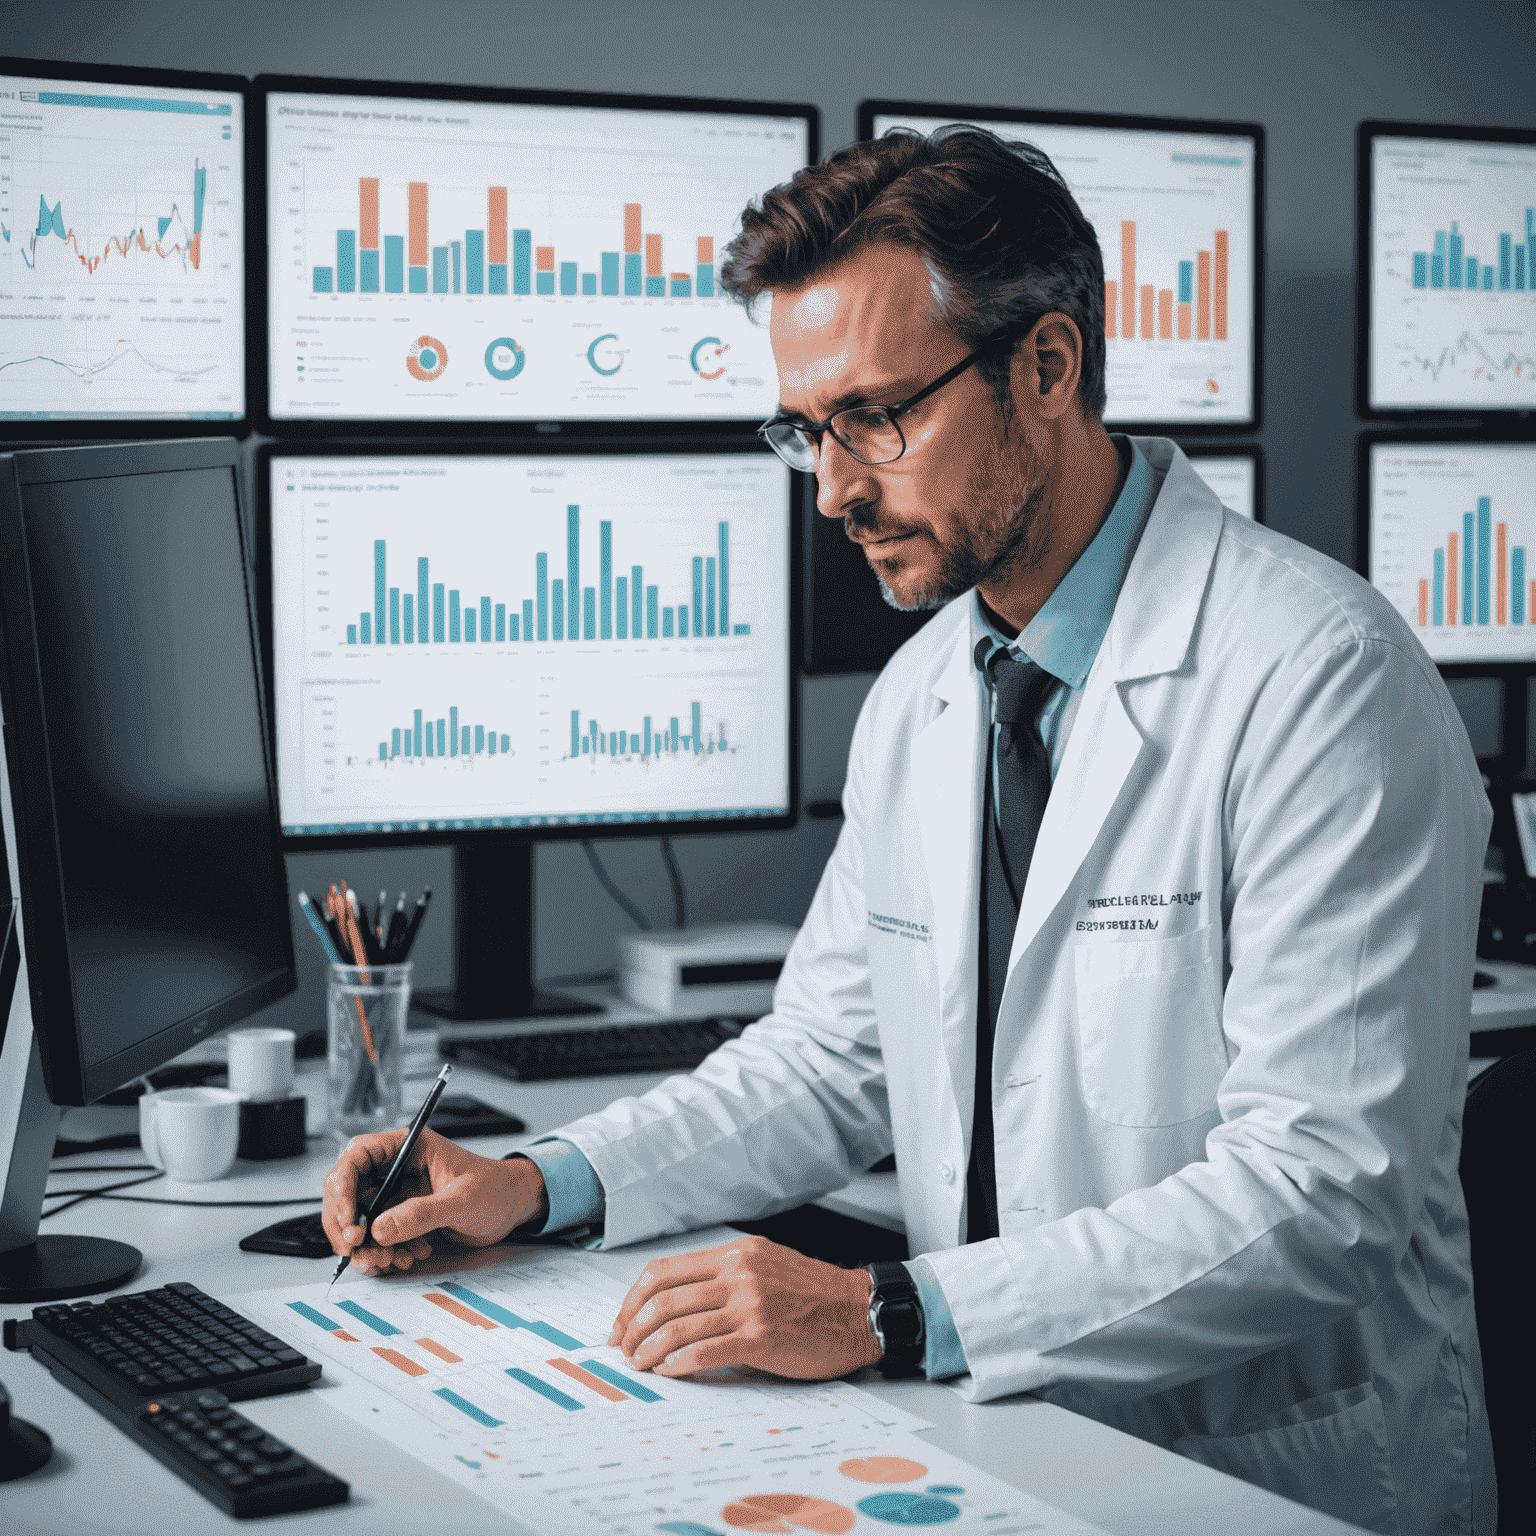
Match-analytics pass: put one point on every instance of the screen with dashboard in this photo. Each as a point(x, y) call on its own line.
point(465, 641)
point(1449, 525)
point(122, 268)
point(502, 260)
point(1178, 209)
point(1448, 258)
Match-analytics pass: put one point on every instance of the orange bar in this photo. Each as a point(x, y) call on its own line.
point(496, 227)
point(1423, 602)
point(1128, 277)
point(1165, 314)
point(706, 249)
point(1111, 308)
point(653, 255)
point(1221, 285)
point(1203, 295)
point(1148, 301)
point(682, 277)
point(341, 1333)
point(1452, 584)
point(368, 213)
point(587, 1379)
point(432, 1347)
point(416, 254)
point(544, 258)
point(1186, 321)
point(632, 228)
point(1501, 589)
point(399, 1361)
point(464, 1315)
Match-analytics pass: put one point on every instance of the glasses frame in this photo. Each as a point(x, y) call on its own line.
point(819, 428)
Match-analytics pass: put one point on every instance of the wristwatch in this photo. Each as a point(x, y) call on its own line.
point(896, 1315)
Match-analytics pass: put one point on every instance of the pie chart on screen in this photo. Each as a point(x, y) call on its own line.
point(786, 1513)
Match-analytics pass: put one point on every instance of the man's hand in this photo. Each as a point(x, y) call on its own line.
point(474, 1200)
point(748, 1302)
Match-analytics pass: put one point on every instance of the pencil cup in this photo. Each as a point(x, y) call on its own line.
point(366, 1013)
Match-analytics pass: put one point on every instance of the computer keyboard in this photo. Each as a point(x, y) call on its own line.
point(676, 1046)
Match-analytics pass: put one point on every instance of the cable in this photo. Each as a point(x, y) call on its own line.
point(679, 894)
point(80, 1197)
point(636, 916)
point(106, 1168)
point(210, 1204)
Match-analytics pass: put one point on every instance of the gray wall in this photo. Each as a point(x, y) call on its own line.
point(1308, 72)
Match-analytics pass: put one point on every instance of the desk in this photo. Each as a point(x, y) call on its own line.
point(99, 1483)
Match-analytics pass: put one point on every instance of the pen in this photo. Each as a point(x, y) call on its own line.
point(308, 908)
point(416, 919)
point(395, 932)
point(386, 1191)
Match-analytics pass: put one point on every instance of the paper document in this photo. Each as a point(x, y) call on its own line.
point(494, 1372)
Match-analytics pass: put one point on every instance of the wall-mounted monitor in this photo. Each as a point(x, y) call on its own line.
point(1448, 532)
point(1178, 207)
point(1235, 474)
point(1446, 270)
point(511, 258)
point(122, 267)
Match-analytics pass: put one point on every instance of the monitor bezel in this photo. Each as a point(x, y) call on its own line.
point(67, 1075)
point(1368, 131)
point(1456, 437)
point(586, 429)
point(884, 107)
point(15, 434)
point(1205, 450)
point(612, 446)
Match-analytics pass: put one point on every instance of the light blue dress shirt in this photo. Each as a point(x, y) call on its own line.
point(1064, 638)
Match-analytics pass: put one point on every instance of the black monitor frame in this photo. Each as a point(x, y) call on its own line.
point(396, 429)
point(93, 429)
point(1364, 135)
point(70, 1079)
point(1204, 450)
point(875, 107)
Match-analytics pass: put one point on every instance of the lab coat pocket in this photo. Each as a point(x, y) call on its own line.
point(1150, 1048)
point(1329, 1453)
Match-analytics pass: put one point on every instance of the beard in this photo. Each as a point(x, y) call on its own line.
point(1000, 536)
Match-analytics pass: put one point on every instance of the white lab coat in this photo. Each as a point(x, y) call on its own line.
point(1231, 1056)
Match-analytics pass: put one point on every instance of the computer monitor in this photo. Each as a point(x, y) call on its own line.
point(1446, 269)
point(122, 267)
point(488, 648)
point(1178, 207)
point(139, 799)
point(1235, 474)
point(512, 259)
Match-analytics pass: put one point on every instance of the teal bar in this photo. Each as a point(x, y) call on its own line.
point(453, 245)
point(1506, 271)
point(674, 733)
point(378, 589)
point(1456, 265)
point(706, 275)
point(698, 732)
point(698, 596)
point(474, 261)
point(636, 597)
point(416, 732)
point(1484, 557)
point(522, 260)
point(394, 615)
point(351, 634)
point(470, 628)
point(709, 596)
point(682, 288)
point(589, 613)
point(647, 751)
point(554, 1394)
point(605, 580)
point(651, 594)
point(1517, 580)
point(621, 608)
point(455, 628)
point(437, 613)
point(383, 751)
point(1420, 269)
point(528, 618)
point(479, 737)
point(498, 277)
point(1471, 271)
point(742, 629)
point(346, 260)
point(442, 751)
point(1437, 261)
point(363, 1315)
point(479, 1415)
point(439, 269)
point(453, 730)
point(490, 742)
point(610, 272)
point(322, 279)
point(506, 742)
point(501, 621)
point(132, 104)
point(575, 733)
point(1467, 546)
point(682, 621)
point(541, 568)
point(568, 278)
point(368, 266)
point(514, 627)
point(544, 282)
point(589, 282)
point(365, 628)
point(1487, 279)
point(725, 578)
point(309, 1315)
point(666, 622)
point(394, 745)
point(394, 263)
point(1186, 282)
point(557, 609)
point(655, 287)
point(573, 567)
point(408, 624)
point(508, 1319)
point(633, 276)
point(418, 279)
point(485, 619)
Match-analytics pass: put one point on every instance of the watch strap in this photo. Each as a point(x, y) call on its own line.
point(896, 1315)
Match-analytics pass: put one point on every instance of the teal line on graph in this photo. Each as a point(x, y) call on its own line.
point(623, 1383)
point(479, 1415)
point(543, 1388)
point(363, 1315)
point(309, 1314)
point(510, 1319)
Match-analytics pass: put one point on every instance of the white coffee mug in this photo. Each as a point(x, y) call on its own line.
point(261, 1063)
point(193, 1133)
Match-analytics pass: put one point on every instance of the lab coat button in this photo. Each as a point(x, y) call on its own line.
point(947, 1172)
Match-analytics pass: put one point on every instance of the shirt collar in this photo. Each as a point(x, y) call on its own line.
point(1065, 636)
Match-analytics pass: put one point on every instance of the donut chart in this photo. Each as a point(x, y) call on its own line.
point(504, 359)
point(426, 359)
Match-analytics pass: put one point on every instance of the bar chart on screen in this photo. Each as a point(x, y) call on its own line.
point(564, 258)
point(485, 640)
point(1453, 545)
point(121, 217)
point(1453, 274)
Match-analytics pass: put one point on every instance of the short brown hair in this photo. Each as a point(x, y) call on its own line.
point(1002, 237)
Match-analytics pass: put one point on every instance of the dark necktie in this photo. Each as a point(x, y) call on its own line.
point(1018, 785)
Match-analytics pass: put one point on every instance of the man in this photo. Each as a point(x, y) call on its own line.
point(1147, 944)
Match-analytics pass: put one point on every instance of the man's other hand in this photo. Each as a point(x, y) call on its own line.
point(748, 1302)
point(475, 1201)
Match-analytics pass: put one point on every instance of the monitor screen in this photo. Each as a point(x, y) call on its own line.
point(1450, 523)
point(1448, 253)
point(122, 269)
point(1236, 479)
point(1177, 210)
point(480, 641)
point(503, 261)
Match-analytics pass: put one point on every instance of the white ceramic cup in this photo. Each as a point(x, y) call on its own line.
point(193, 1133)
point(261, 1064)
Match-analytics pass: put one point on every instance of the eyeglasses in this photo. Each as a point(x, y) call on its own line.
point(869, 432)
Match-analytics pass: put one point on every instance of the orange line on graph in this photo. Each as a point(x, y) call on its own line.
point(432, 1347)
point(464, 1315)
point(193, 253)
point(587, 1379)
point(399, 1361)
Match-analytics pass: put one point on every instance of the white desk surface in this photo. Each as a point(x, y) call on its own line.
point(97, 1483)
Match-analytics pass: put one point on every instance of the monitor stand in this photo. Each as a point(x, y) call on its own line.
point(493, 941)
